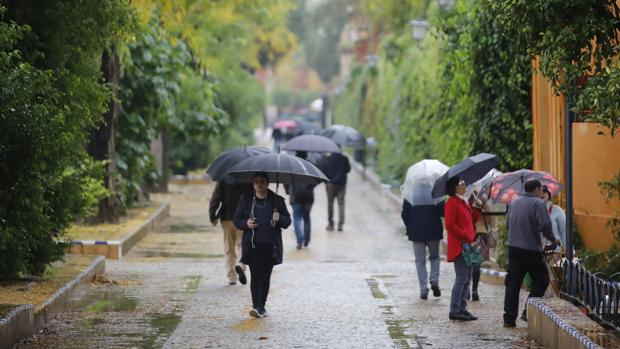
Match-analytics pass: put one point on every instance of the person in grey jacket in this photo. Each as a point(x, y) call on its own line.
point(527, 220)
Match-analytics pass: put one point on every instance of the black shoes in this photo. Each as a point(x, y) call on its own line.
point(466, 313)
point(330, 227)
point(524, 315)
point(340, 228)
point(424, 295)
point(436, 290)
point(242, 279)
point(474, 295)
point(262, 312)
point(299, 246)
point(255, 313)
point(510, 324)
point(466, 316)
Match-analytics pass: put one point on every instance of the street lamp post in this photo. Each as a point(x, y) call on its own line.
point(418, 29)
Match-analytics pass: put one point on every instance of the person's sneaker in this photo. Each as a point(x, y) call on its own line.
point(263, 312)
point(510, 324)
point(460, 317)
point(436, 290)
point(242, 279)
point(306, 243)
point(524, 315)
point(340, 228)
point(330, 227)
point(255, 313)
point(230, 283)
point(474, 295)
point(424, 295)
point(299, 246)
point(471, 316)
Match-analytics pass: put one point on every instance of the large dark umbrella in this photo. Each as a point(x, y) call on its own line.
point(470, 170)
point(507, 187)
point(345, 135)
point(281, 168)
point(229, 159)
point(312, 143)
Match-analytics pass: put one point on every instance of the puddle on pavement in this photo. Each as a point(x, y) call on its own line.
point(247, 325)
point(191, 283)
point(398, 332)
point(374, 289)
point(162, 325)
point(89, 323)
point(111, 302)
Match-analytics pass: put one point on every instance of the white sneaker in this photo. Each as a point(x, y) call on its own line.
point(254, 313)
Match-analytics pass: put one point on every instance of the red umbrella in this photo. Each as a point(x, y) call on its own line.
point(285, 124)
point(507, 187)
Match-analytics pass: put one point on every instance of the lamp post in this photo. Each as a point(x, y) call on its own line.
point(418, 29)
point(446, 4)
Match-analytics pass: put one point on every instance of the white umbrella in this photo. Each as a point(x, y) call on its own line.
point(483, 185)
point(419, 182)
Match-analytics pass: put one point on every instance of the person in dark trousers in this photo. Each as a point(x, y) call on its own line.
point(301, 198)
point(339, 167)
point(222, 205)
point(527, 219)
point(425, 230)
point(459, 220)
point(261, 215)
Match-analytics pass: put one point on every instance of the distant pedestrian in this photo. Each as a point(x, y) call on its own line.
point(262, 216)
point(459, 220)
point(483, 226)
point(339, 167)
point(425, 230)
point(557, 215)
point(527, 220)
point(222, 205)
point(302, 198)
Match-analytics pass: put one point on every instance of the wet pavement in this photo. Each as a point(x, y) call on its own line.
point(351, 289)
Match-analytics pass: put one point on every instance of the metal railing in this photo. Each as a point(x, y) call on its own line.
point(600, 296)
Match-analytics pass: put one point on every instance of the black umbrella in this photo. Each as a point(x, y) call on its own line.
point(227, 160)
point(281, 168)
point(312, 143)
point(470, 170)
point(345, 135)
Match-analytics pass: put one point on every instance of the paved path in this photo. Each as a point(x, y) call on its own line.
point(351, 289)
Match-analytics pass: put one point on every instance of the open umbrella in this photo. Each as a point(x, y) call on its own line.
point(281, 168)
point(227, 160)
point(470, 170)
point(419, 182)
point(508, 186)
point(312, 143)
point(345, 135)
point(287, 123)
point(483, 185)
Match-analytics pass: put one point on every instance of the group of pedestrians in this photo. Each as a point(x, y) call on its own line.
point(252, 218)
point(529, 223)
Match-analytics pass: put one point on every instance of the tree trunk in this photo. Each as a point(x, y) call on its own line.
point(165, 161)
point(102, 144)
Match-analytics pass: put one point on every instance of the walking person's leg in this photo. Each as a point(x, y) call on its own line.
point(465, 292)
point(514, 279)
point(419, 251)
point(331, 195)
point(307, 225)
point(230, 255)
point(340, 195)
point(461, 279)
point(239, 267)
point(297, 223)
point(537, 268)
point(433, 257)
point(267, 269)
point(255, 281)
point(475, 281)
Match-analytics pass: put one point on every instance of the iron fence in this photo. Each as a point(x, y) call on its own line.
point(600, 296)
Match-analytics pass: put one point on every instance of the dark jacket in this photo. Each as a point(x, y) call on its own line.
point(528, 218)
point(423, 222)
point(339, 166)
point(225, 199)
point(241, 218)
point(301, 194)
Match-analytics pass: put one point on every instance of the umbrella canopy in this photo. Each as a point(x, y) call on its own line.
point(470, 170)
point(307, 128)
point(508, 186)
point(281, 168)
point(419, 182)
point(312, 143)
point(483, 185)
point(227, 160)
point(345, 135)
point(285, 124)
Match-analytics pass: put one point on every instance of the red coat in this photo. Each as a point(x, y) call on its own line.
point(459, 219)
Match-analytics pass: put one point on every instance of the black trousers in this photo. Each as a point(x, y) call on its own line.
point(520, 262)
point(261, 265)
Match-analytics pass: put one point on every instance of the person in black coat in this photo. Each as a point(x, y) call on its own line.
point(339, 167)
point(261, 216)
point(425, 230)
point(301, 198)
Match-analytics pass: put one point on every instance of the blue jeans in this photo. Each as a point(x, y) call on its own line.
point(460, 290)
point(301, 214)
point(419, 250)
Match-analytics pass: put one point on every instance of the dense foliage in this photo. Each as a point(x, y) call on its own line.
point(50, 95)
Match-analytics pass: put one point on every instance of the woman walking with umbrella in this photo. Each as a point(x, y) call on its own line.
point(261, 216)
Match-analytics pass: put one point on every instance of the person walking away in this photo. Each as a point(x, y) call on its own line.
point(459, 221)
point(261, 215)
point(301, 198)
point(222, 205)
point(527, 219)
point(339, 167)
point(483, 225)
point(425, 230)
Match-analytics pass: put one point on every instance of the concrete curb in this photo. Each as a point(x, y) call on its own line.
point(541, 322)
point(115, 249)
point(25, 320)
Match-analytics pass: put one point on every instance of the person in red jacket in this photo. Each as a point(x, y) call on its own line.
point(459, 221)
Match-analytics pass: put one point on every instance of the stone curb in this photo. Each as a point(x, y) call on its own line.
point(24, 320)
point(115, 249)
point(539, 312)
